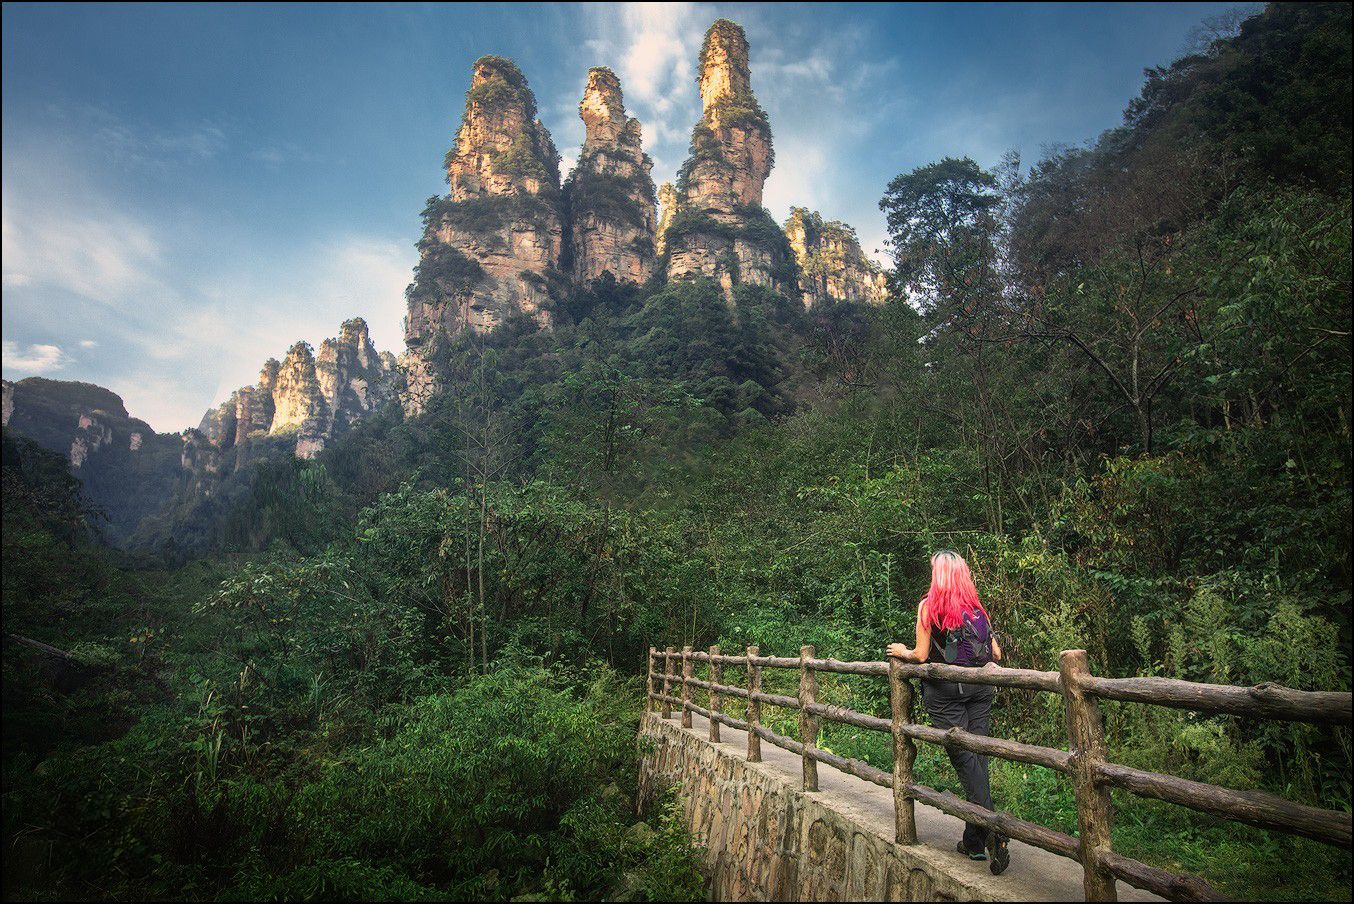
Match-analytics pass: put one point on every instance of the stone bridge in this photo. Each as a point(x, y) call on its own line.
point(766, 840)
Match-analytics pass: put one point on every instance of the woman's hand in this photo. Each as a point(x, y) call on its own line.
point(900, 651)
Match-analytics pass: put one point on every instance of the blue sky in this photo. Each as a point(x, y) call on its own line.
point(187, 190)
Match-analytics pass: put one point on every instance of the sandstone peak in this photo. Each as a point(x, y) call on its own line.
point(832, 265)
point(314, 396)
point(724, 70)
point(719, 228)
point(501, 147)
point(610, 194)
point(603, 107)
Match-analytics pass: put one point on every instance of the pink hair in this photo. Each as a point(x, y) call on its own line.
point(952, 591)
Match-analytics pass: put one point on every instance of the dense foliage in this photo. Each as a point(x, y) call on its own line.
point(1118, 381)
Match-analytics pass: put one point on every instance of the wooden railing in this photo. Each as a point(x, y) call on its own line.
point(1084, 762)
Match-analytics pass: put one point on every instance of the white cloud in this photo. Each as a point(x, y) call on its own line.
point(163, 316)
point(654, 48)
point(33, 359)
point(93, 253)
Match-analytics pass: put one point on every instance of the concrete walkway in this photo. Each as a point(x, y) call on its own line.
point(1034, 874)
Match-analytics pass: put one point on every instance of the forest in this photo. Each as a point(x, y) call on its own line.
point(1116, 378)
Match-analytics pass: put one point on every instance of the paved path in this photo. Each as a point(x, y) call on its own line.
point(1034, 874)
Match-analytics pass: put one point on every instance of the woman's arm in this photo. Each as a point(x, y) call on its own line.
point(923, 639)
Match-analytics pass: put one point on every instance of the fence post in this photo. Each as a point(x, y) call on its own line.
point(667, 683)
point(1086, 740)
point(686, 688)
point(648, 684)
point(754, 708)
point(904, 755)
point(714, 673)
point(808, 723)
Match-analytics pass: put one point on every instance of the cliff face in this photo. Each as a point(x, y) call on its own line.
point(610, 195)
point(313, 397)
point(491, 248)
point(126, 469)
point(832, 265)
point(718, 227)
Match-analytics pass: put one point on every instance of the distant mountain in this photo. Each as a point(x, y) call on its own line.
point(128, 471)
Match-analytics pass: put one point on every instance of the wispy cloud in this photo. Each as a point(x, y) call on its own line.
point(33, 359)
point(89, 251)
point(133, 142)
point(654, 48)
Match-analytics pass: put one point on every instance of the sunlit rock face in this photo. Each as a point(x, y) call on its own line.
point(355, 379)
point(7, 406)
point(313, 397)
point(718, 227)
point(299, 402)
point(610, 194)
point(832, 265)
point(491, 248)
point(667, 209)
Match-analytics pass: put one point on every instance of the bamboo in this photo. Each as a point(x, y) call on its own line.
point(1095, 813)
point(808, 722)
point(904, 755)
point(714, 694)
point(754, 680)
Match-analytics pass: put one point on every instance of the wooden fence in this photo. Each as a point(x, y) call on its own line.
point(1085, 761)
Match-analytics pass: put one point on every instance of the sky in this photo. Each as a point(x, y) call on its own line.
point(188, 190)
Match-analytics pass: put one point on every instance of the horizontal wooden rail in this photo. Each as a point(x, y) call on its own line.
point(1086, 762)
point(1257, 808)
point(1035, 755)
point(725, 689)
point(1005, 823)
point(850, 717)
point(1264, 701)
point(1171, 886)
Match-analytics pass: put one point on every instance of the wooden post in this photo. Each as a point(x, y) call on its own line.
point(808, 723)
point(1086, 742)
point(648, 684)
point(686, 688)
point(667, 684)
point(754, 708)
point(904, 755)
point(714, 673)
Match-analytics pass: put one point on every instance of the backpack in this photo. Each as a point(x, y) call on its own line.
point(970, 643)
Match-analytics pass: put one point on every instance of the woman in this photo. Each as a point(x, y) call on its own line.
point(953, 628)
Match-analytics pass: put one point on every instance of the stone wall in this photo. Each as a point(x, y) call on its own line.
point(765, 840)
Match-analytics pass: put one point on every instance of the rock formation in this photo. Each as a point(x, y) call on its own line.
point(718, 227)
point(126, 470)
point(667, 209)
point(832, 266)
point(313, 397)
point(491, 248)
point(610, 195)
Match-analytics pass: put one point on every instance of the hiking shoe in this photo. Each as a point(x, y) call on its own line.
point(999, 847)
point(972, 855)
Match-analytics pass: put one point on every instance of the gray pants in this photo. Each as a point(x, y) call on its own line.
point(968, 706)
